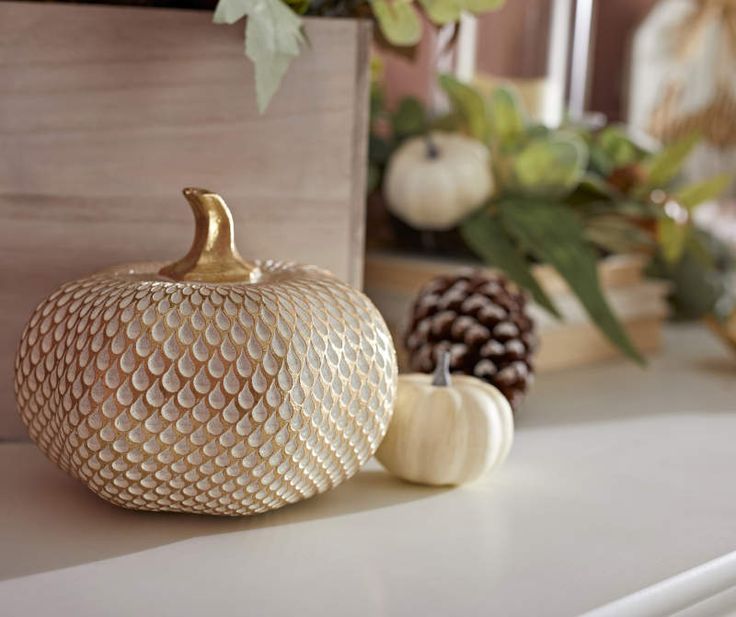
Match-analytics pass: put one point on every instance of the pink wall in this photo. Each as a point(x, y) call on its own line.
point(413, 73)
point(617, 22)
point(513, 42)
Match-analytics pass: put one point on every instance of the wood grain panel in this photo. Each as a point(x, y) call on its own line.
point(106, 113)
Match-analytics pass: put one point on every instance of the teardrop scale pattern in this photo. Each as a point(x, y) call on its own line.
point(229, 399)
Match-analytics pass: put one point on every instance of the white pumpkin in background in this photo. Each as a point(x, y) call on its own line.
point(446, 431)
point(433, 182)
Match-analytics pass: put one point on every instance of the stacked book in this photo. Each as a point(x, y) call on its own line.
point(392, 281)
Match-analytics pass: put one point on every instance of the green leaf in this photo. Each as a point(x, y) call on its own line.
point(535, 131)
point(377, 104)
point(409, 118)
point(273, 38)
point(697, 283)
point(671, 236)
point(506, 115)
point(482, 6)
point(697, 289)
point(373, 181)
point(441, 12)
point(469, 104)
point(553, 165)
point(707, 190)
point(487, 238)
point(699, 246)
point(664, 166)
point(379, 149)
point(298, 6)
point(600, 161)
point(618, 146)
point(638, 209)
point(399, 21)
point(595, 185)
point(230, 11)
point(449, 123)
point(554, 234)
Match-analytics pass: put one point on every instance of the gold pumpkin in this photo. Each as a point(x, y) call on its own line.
point(210, 385)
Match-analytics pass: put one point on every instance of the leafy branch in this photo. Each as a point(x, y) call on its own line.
point(568, 196)
point(274, 31)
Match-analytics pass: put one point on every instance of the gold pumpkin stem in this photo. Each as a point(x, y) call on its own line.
point(441, 375)
point(213, 256)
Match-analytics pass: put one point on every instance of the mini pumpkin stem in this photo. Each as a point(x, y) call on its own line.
point(433, 151)
point(441, 375)
point(213, 256)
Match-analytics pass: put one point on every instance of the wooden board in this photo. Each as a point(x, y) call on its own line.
point(106, 113)
point(581, 344)
point(407, 273)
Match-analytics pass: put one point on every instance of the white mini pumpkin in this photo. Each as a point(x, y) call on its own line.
point(446, 432)
point(433, 182)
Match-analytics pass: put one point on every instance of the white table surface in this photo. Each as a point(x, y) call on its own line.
point(619, 479)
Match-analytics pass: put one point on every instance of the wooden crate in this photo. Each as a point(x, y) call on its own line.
point(393, 280)
point(106, 113)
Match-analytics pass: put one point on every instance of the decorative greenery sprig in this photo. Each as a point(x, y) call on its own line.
point(568, 196)
point(274, 35)
point(273, 38)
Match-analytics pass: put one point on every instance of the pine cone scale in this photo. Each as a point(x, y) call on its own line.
point(483, 322)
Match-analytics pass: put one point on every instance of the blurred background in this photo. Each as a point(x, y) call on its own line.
point(619, 114)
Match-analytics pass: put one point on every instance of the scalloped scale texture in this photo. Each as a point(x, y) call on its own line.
point(230, 399)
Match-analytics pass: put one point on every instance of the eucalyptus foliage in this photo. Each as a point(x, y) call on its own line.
point(567, 197)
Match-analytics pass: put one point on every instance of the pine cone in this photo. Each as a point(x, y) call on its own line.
point(482, 321)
